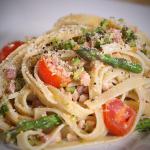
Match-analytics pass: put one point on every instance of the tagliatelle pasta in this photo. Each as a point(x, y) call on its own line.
point(21, 102)
point(88, 79)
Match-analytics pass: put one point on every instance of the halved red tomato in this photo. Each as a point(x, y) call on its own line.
point(118, 117)
point(47, 76)
point(7, 49)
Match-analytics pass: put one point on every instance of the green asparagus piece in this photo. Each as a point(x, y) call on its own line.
point(94, 54)
point(41, 123)
point(3, 109)
point(122, 63)
point(143, 125)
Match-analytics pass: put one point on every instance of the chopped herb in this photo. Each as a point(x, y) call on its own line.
point(105, 40)
point(144, 51)
point(100, 30)
point(128, 36)
point(76, 61)
point(19, 82)
point(88, 36)
point(60, 44)
point(77, 73)
point(55, 42)
point(84, 30)
point(79, 39)
point(104, 24)
point(70, 89)
point(132, 43)
point(69, 45)
point(97, 44)
point(3, 109)
point(87, 33)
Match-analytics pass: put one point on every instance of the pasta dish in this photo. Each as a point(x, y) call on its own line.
point(86, 80)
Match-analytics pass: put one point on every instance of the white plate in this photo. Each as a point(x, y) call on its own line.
point(22, 18)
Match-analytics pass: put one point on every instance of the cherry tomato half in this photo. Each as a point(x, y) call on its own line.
point(118, 117)
point(7, 49)
point(48, 77)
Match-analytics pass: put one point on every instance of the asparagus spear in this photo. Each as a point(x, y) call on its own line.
point(94, 54)
point(41, 123)
point(143, 125)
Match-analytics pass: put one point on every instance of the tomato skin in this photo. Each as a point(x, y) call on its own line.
point(7, 49)
point(47, 76)
point(118, 117)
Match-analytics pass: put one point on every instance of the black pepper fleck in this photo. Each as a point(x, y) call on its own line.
point(48, 44)
point(45, 51)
